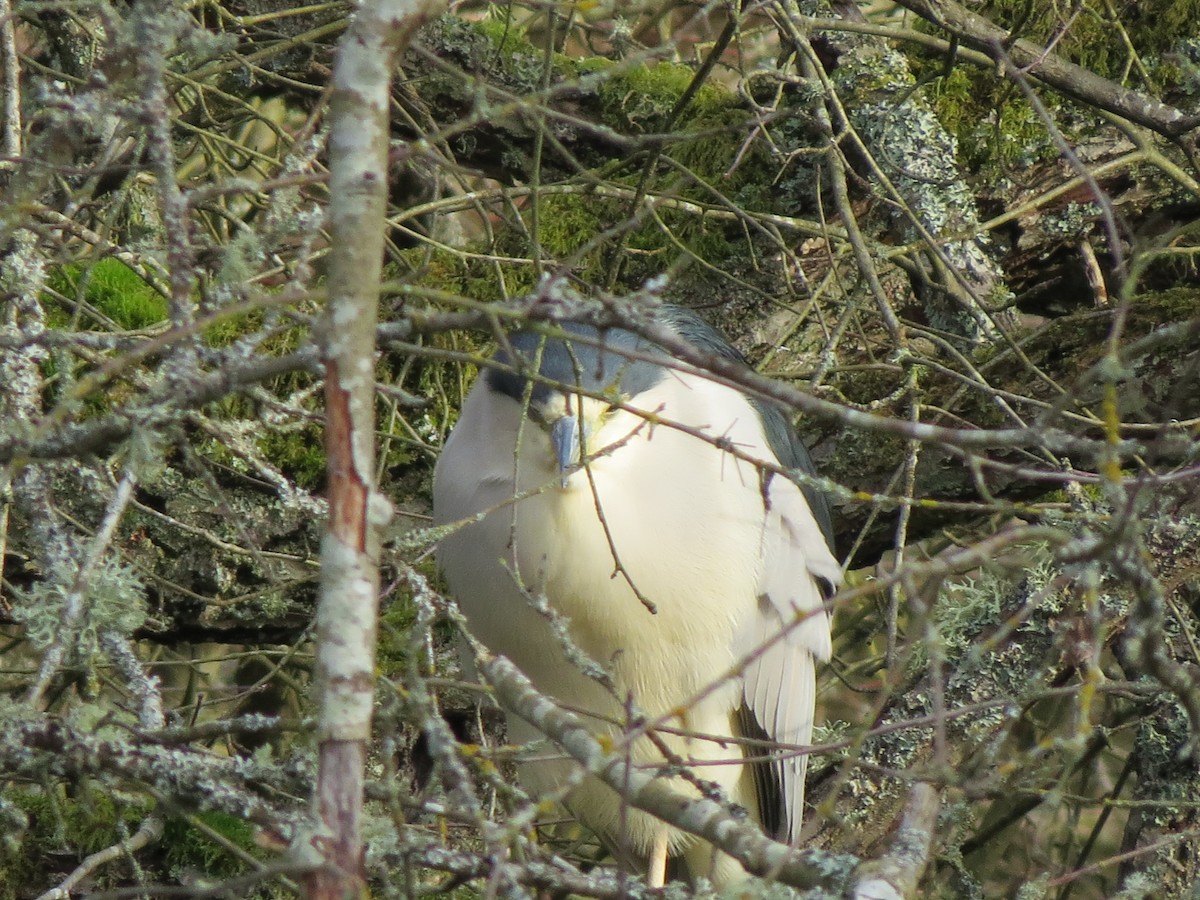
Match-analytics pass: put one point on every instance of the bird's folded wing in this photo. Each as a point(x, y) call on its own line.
point(790, 633)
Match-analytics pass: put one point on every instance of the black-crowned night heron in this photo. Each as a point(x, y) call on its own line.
point(624, 490)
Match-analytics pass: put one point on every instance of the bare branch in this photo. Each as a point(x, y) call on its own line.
point(705, 818)
point(347, 614)
point(1075, 81)
point(896, 874)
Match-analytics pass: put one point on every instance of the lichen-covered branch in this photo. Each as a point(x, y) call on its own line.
point(347, 613)
point(897, 873)
point(705, 818)
point(36, 747)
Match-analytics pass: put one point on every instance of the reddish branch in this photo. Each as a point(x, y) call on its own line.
point(347, 613)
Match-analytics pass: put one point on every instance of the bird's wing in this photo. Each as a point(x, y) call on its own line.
point(780, 680)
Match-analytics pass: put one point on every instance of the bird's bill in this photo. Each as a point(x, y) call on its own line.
point(567, 438)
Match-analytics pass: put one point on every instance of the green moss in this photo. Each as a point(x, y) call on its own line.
point(228, 329)
point(996, 129)
point(79, 824)
point(695, 156)
point(395, 622)
point(298, 454)
point(568, 221)
point(112, 288)
point(440, 271)
point(508, 38)
point(701, 155)
point(1106, 40)
point(1126, 42)
point(965, 608)
point(495, 45)
point(639, 99)
point(189, 849)
point(1145, 46)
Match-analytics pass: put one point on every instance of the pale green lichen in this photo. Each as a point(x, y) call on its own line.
point(918, 156)
point(1139, 886)
point(112, 599)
